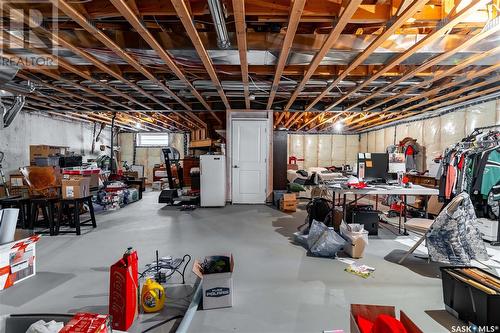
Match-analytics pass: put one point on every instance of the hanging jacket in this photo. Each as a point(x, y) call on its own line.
point(453, 237)
point(488, 172)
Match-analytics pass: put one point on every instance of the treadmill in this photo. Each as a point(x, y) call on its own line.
point(173, 195)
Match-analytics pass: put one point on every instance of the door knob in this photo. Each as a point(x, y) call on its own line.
point(235, 166)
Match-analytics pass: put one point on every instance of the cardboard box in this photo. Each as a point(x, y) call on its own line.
point(93, 179)
point(45, 151)
point(76, 187)
point(217, 288)
point(434, 206)
point(288, 203)
point(17, 260)
point(371, 312)
point(88, 323)
point(355, 248)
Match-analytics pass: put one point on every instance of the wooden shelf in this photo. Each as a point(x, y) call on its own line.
point(205, 143)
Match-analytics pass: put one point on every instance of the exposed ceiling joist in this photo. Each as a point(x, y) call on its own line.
point(432, 62)
point(129, 14)
point(340, 24)
point(187, 21)
point(108, 42)
point(293, 23)
point(427, 40)
point(390, 29)
point(241, 36)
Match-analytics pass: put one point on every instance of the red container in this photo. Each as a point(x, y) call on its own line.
point(123, 291)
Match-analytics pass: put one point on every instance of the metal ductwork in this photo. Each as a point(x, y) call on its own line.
point(218, 17)
point(11, 89)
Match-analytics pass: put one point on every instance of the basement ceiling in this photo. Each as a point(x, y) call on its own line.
point(173, 65)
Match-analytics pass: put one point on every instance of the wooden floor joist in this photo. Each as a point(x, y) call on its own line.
point(333, 36)
point(187, 21)
point(108, 42)
point(138, 25)
point(428, 39)
point(241, 37)
point(398, 21)
point(293, 23)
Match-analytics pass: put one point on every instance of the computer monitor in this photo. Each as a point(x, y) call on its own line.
point(375, 166)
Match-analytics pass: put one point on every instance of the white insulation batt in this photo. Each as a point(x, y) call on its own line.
point(434, 135)
point(323, 150)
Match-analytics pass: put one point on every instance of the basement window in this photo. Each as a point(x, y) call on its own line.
point(152, 139)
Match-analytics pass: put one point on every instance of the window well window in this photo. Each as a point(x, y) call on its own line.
point(152, 139)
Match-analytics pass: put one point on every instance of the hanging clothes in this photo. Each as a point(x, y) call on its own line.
point(410, 148)
point(473, 166)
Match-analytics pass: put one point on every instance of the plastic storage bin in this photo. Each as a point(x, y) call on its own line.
point(468, 303)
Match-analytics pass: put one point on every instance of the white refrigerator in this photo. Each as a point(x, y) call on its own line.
point(212, 180)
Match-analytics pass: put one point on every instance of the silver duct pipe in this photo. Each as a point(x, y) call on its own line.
point(10, 114)
point(7, 115)
point(217, 12)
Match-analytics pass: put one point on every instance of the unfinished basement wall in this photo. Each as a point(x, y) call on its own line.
point(434, 134)
point(147, 156)
point(323, 150)
point(34, 129)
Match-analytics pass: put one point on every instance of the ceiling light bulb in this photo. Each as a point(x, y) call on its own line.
point(339, 126)
point(138, 125)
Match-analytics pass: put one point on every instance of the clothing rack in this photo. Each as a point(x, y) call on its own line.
point(486, 127)
point(478, 143)
point(477, 129)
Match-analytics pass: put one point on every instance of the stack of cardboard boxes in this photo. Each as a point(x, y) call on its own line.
point(45, 151)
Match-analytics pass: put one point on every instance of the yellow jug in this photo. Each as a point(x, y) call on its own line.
point(152, 296)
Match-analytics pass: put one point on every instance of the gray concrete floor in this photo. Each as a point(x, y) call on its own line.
point(278, 288)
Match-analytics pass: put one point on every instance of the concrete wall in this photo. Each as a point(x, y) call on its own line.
point(433, 134)
point(33, 129)
point(147, 156)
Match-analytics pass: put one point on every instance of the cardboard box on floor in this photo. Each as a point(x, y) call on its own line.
point(288, 203)
point(371, 312)
point(78, 187)
point(355, 248)
point(434, 206)
point(217, 288)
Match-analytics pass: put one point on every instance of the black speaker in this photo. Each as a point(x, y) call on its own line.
point(367, 217)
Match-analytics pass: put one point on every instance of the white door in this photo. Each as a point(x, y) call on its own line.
point(249, 161)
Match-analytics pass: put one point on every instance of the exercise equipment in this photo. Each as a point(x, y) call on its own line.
point(173, 195)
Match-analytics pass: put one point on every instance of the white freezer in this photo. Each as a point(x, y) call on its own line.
point(212, 180)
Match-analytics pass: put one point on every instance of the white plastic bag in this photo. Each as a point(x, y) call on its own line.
point(324, 241)
point(352, 232)
point(42, 327)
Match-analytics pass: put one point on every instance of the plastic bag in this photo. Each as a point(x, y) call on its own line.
point(324, 241)
point(43, 327)
point(352, 232)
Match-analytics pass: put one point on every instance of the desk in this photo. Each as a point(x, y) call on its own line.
point(381, 190)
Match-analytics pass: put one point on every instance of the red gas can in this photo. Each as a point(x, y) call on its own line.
point(123, 291)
